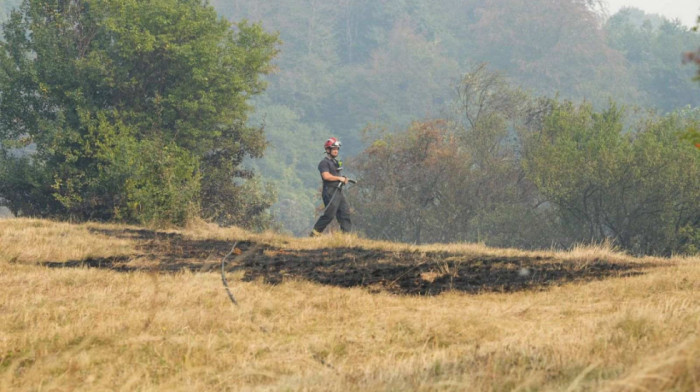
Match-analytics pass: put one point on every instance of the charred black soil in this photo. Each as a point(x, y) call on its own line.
point(404, 272)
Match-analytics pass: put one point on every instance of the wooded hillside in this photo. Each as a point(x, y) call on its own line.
point(348, 65)
point(551, 116)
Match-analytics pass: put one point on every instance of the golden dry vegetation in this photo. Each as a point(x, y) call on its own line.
point(110, 307)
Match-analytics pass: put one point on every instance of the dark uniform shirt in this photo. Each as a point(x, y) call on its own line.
point(332, 166)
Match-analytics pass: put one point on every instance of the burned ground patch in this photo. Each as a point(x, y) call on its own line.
point(402, 272)
point(423, 273)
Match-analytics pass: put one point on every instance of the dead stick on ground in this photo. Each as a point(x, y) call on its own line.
point(223, 273)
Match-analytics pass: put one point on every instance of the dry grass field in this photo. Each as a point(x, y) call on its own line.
point(91, 307)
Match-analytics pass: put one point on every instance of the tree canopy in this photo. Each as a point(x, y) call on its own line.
point(135, 110)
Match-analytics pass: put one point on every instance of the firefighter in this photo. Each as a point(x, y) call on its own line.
point(333, 199)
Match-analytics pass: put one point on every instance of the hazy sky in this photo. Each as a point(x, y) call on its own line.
point(685, 10)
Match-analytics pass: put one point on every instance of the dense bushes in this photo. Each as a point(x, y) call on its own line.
point(514, 171)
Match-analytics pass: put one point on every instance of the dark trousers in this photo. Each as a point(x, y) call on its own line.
point(336, 207)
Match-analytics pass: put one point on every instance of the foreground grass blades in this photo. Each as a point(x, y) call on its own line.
point(94, 306)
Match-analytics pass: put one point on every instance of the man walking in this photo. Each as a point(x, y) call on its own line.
point(333, 199)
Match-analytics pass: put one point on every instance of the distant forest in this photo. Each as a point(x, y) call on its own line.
point(346, 65)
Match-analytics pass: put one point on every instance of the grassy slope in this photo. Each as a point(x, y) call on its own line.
point(156, 328)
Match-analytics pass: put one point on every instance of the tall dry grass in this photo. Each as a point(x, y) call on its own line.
point(67, 329)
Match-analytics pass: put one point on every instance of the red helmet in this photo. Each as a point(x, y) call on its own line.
point(332, 143)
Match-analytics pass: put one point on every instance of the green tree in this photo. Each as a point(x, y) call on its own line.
point(637, 187)
point(137, 110)
point(652, 47)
